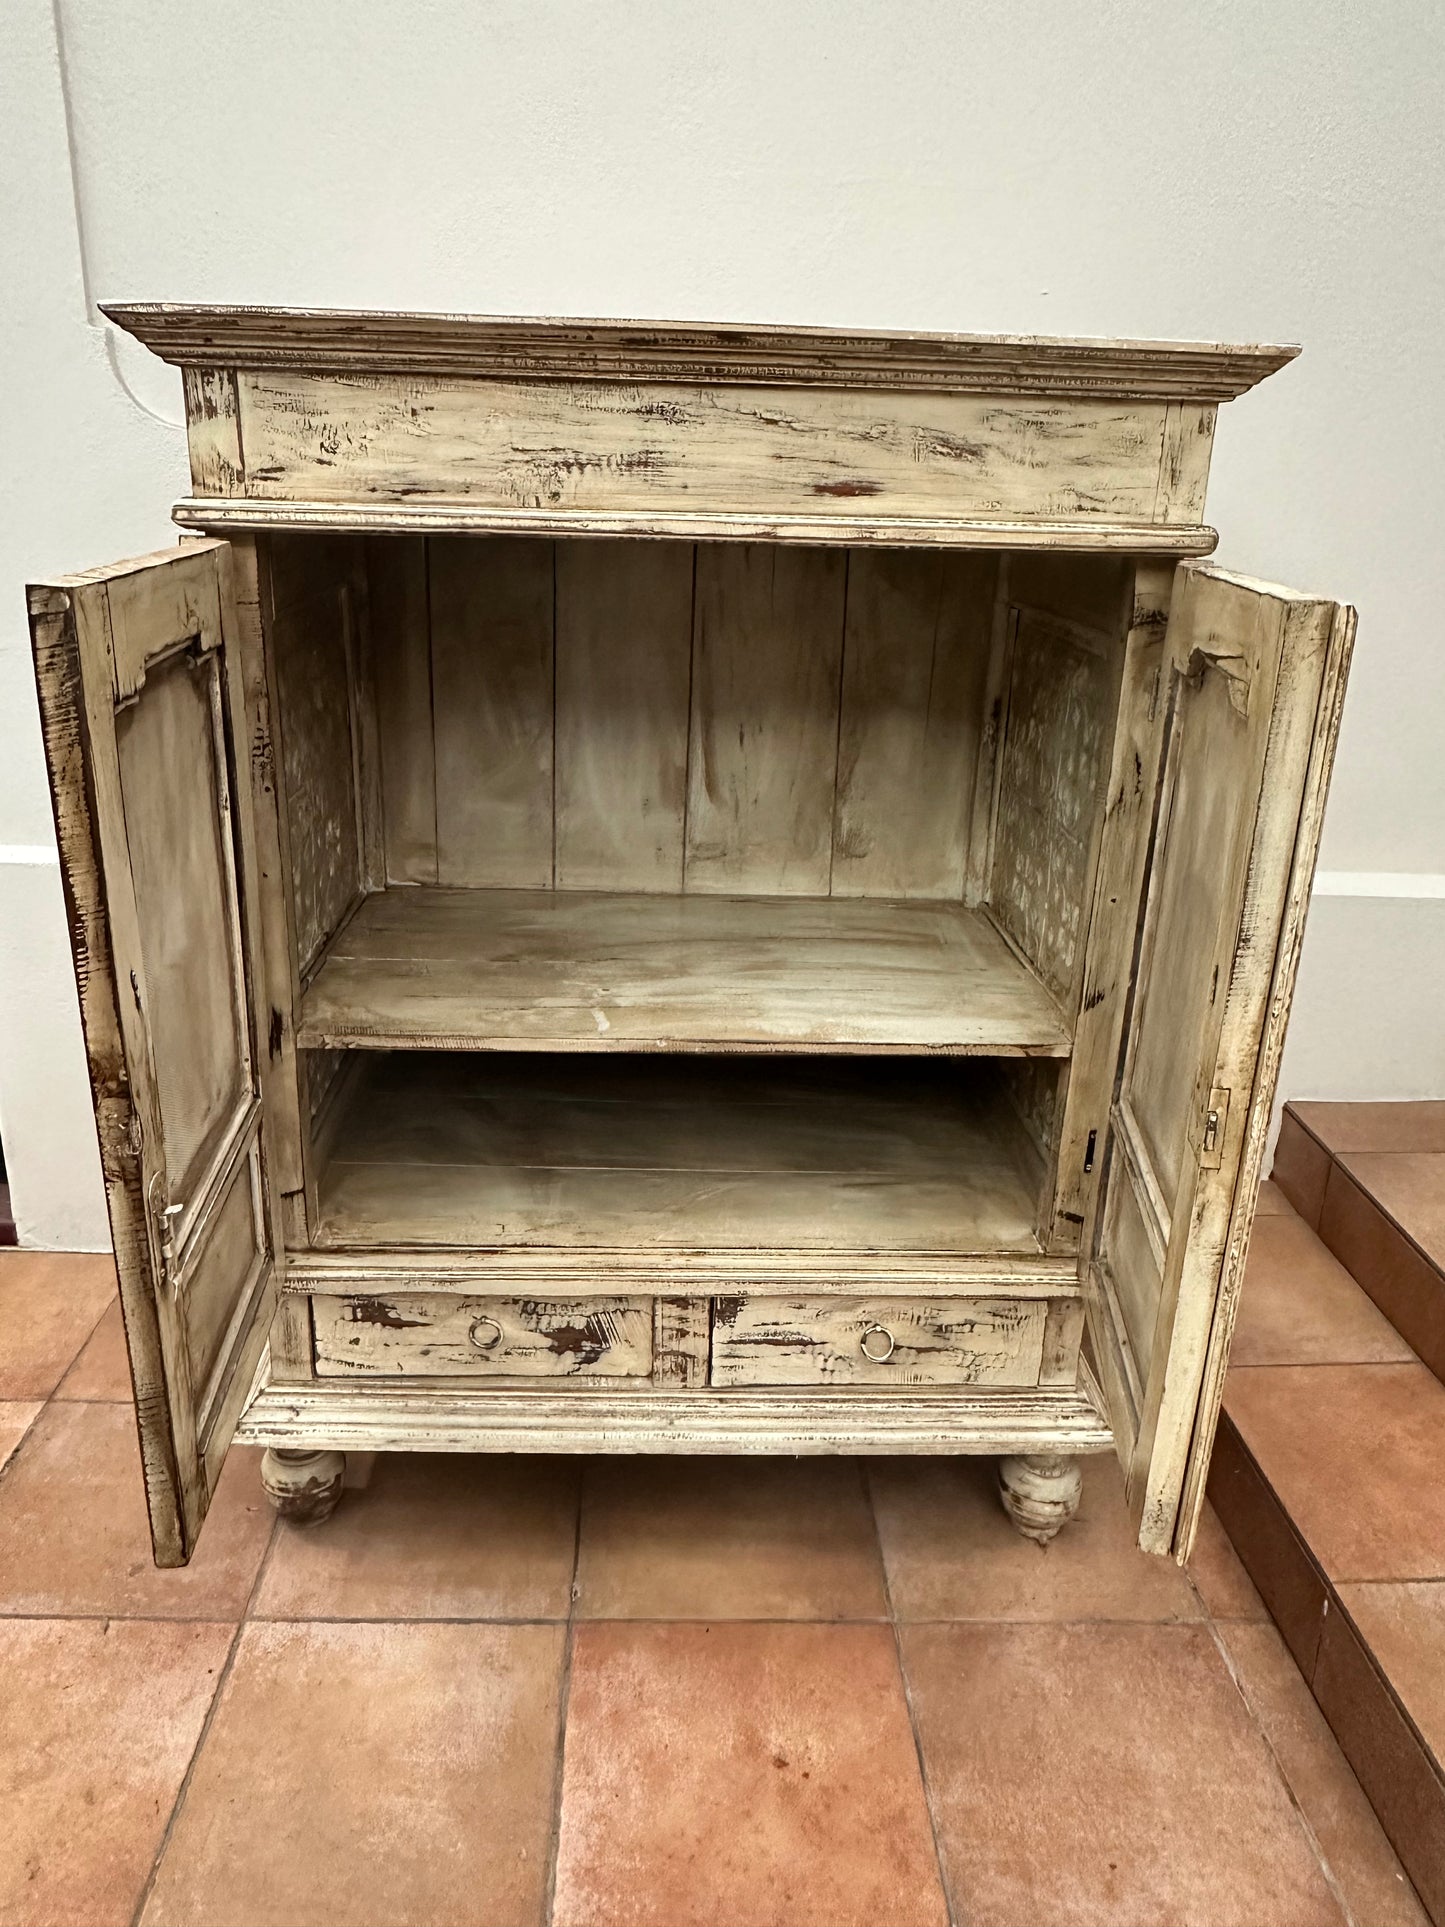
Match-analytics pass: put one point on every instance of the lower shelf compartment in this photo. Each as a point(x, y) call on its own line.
point(651, 1153)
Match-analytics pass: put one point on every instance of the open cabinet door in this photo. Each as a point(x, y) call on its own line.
point(1252, 680)
point(141, 699)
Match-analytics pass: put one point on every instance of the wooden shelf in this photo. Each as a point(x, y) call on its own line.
point(441, 969)
point(647, 1153)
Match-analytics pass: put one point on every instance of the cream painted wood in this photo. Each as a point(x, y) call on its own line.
point(864, 1341)
point(143, 702)
point(445, 1337)
point(1248, 667)
point(801, 1423)
point(574, 971)
point(639, 1156)
point(786, 790)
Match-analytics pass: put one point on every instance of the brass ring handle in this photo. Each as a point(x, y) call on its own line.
point(485, 1333)
point(878, 1356)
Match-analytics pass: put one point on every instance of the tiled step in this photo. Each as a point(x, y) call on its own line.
point(1329, 1476)
point(1370, 1179)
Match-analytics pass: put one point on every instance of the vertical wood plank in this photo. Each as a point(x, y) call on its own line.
point(682, 1330)
point(366, 721)
point(915, 663)
point(396, 569)
point(767, 657)
point(492, 662)
point(624, 650)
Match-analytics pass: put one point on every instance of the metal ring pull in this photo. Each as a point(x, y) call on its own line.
point(876, 1332)
point(485, 1334)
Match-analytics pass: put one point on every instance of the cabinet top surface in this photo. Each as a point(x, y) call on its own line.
point(526, 348)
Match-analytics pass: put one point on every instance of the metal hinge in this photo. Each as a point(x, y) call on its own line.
point(164, 1216)
point(1216, 1120)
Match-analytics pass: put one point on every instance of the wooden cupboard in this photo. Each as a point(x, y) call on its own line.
point(650, 888)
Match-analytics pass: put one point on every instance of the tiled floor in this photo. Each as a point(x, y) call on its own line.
point(1328, 1462)
point(496, 1691)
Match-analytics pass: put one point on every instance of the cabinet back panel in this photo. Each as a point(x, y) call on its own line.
point(659, 716)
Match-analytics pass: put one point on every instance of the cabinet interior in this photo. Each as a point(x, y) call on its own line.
point(649, 892)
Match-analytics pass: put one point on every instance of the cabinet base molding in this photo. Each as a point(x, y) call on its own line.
point(304, 1486)
point(375, 1418)
point(1040, 1492)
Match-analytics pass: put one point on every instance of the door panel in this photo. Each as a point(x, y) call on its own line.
point(140, 692)
point(1252, 681)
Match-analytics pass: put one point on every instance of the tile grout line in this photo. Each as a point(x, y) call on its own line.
point(1306, 1824)
point(929, 1804)
point(221, 1683)
point(564, 1694)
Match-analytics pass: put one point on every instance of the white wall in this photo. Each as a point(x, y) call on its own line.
point(1225, 171)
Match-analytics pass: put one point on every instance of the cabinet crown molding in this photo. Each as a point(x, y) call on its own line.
point(339, 341)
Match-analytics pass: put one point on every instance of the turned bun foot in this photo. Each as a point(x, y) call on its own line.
point(304, 1487)
point(1040, 1494)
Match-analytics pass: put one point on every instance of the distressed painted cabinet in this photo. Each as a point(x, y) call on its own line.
point(645, 888)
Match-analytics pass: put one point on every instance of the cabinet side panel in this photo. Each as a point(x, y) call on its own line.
point(396, 568)
point(624, 668)
point(1051, 771)
point(492, 621)
point(767, 656)
point(312, 620)
point(915, 659)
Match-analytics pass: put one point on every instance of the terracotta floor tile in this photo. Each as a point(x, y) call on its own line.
point(1360, 1857)
point(98, 1722)
point(1269, 1546)
point(1299, 1306)
point(16, 1416)
point(1272, 1202)
point(1301, 1167)
point(102, 1371)
point(1354, 1453)
point(1387, 1264)
point(50, 1303)
point(1399, 1776)
point(1342, 1128)
point(1410, 1186)
point(1105, 1774)
point(728, 1539)
point(444, 1537)
point(388, 1776)
point(741, 1775)
point(1218, 1573)
point(73, 1533)
point(1404, 1627)
point(951, 1552)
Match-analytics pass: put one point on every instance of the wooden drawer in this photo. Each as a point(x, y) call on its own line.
point(877, 1341)
point(440, 1336)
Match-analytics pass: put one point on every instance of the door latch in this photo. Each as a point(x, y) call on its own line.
point(1216, 1120)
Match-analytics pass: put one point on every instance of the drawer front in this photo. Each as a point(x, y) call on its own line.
point(439, 1336)
point(877, 1341)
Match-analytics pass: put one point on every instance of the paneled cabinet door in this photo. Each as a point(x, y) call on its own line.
point(141, 698)
point(1252, 680)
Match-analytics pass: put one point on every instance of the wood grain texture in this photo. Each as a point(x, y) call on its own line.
point(1051, 770)
point(492, 610)
point(779, 1341)
point(804, 1422)
point(624, 675)
point(311, 615)
point(396, 569)
point(193, 334)
point(915, 657)
point(767, 651)
point(833, 528)
point(469, 969)
point(681, 1336)
point(542, 1338)
point(642, 1154)
point(141, 693)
